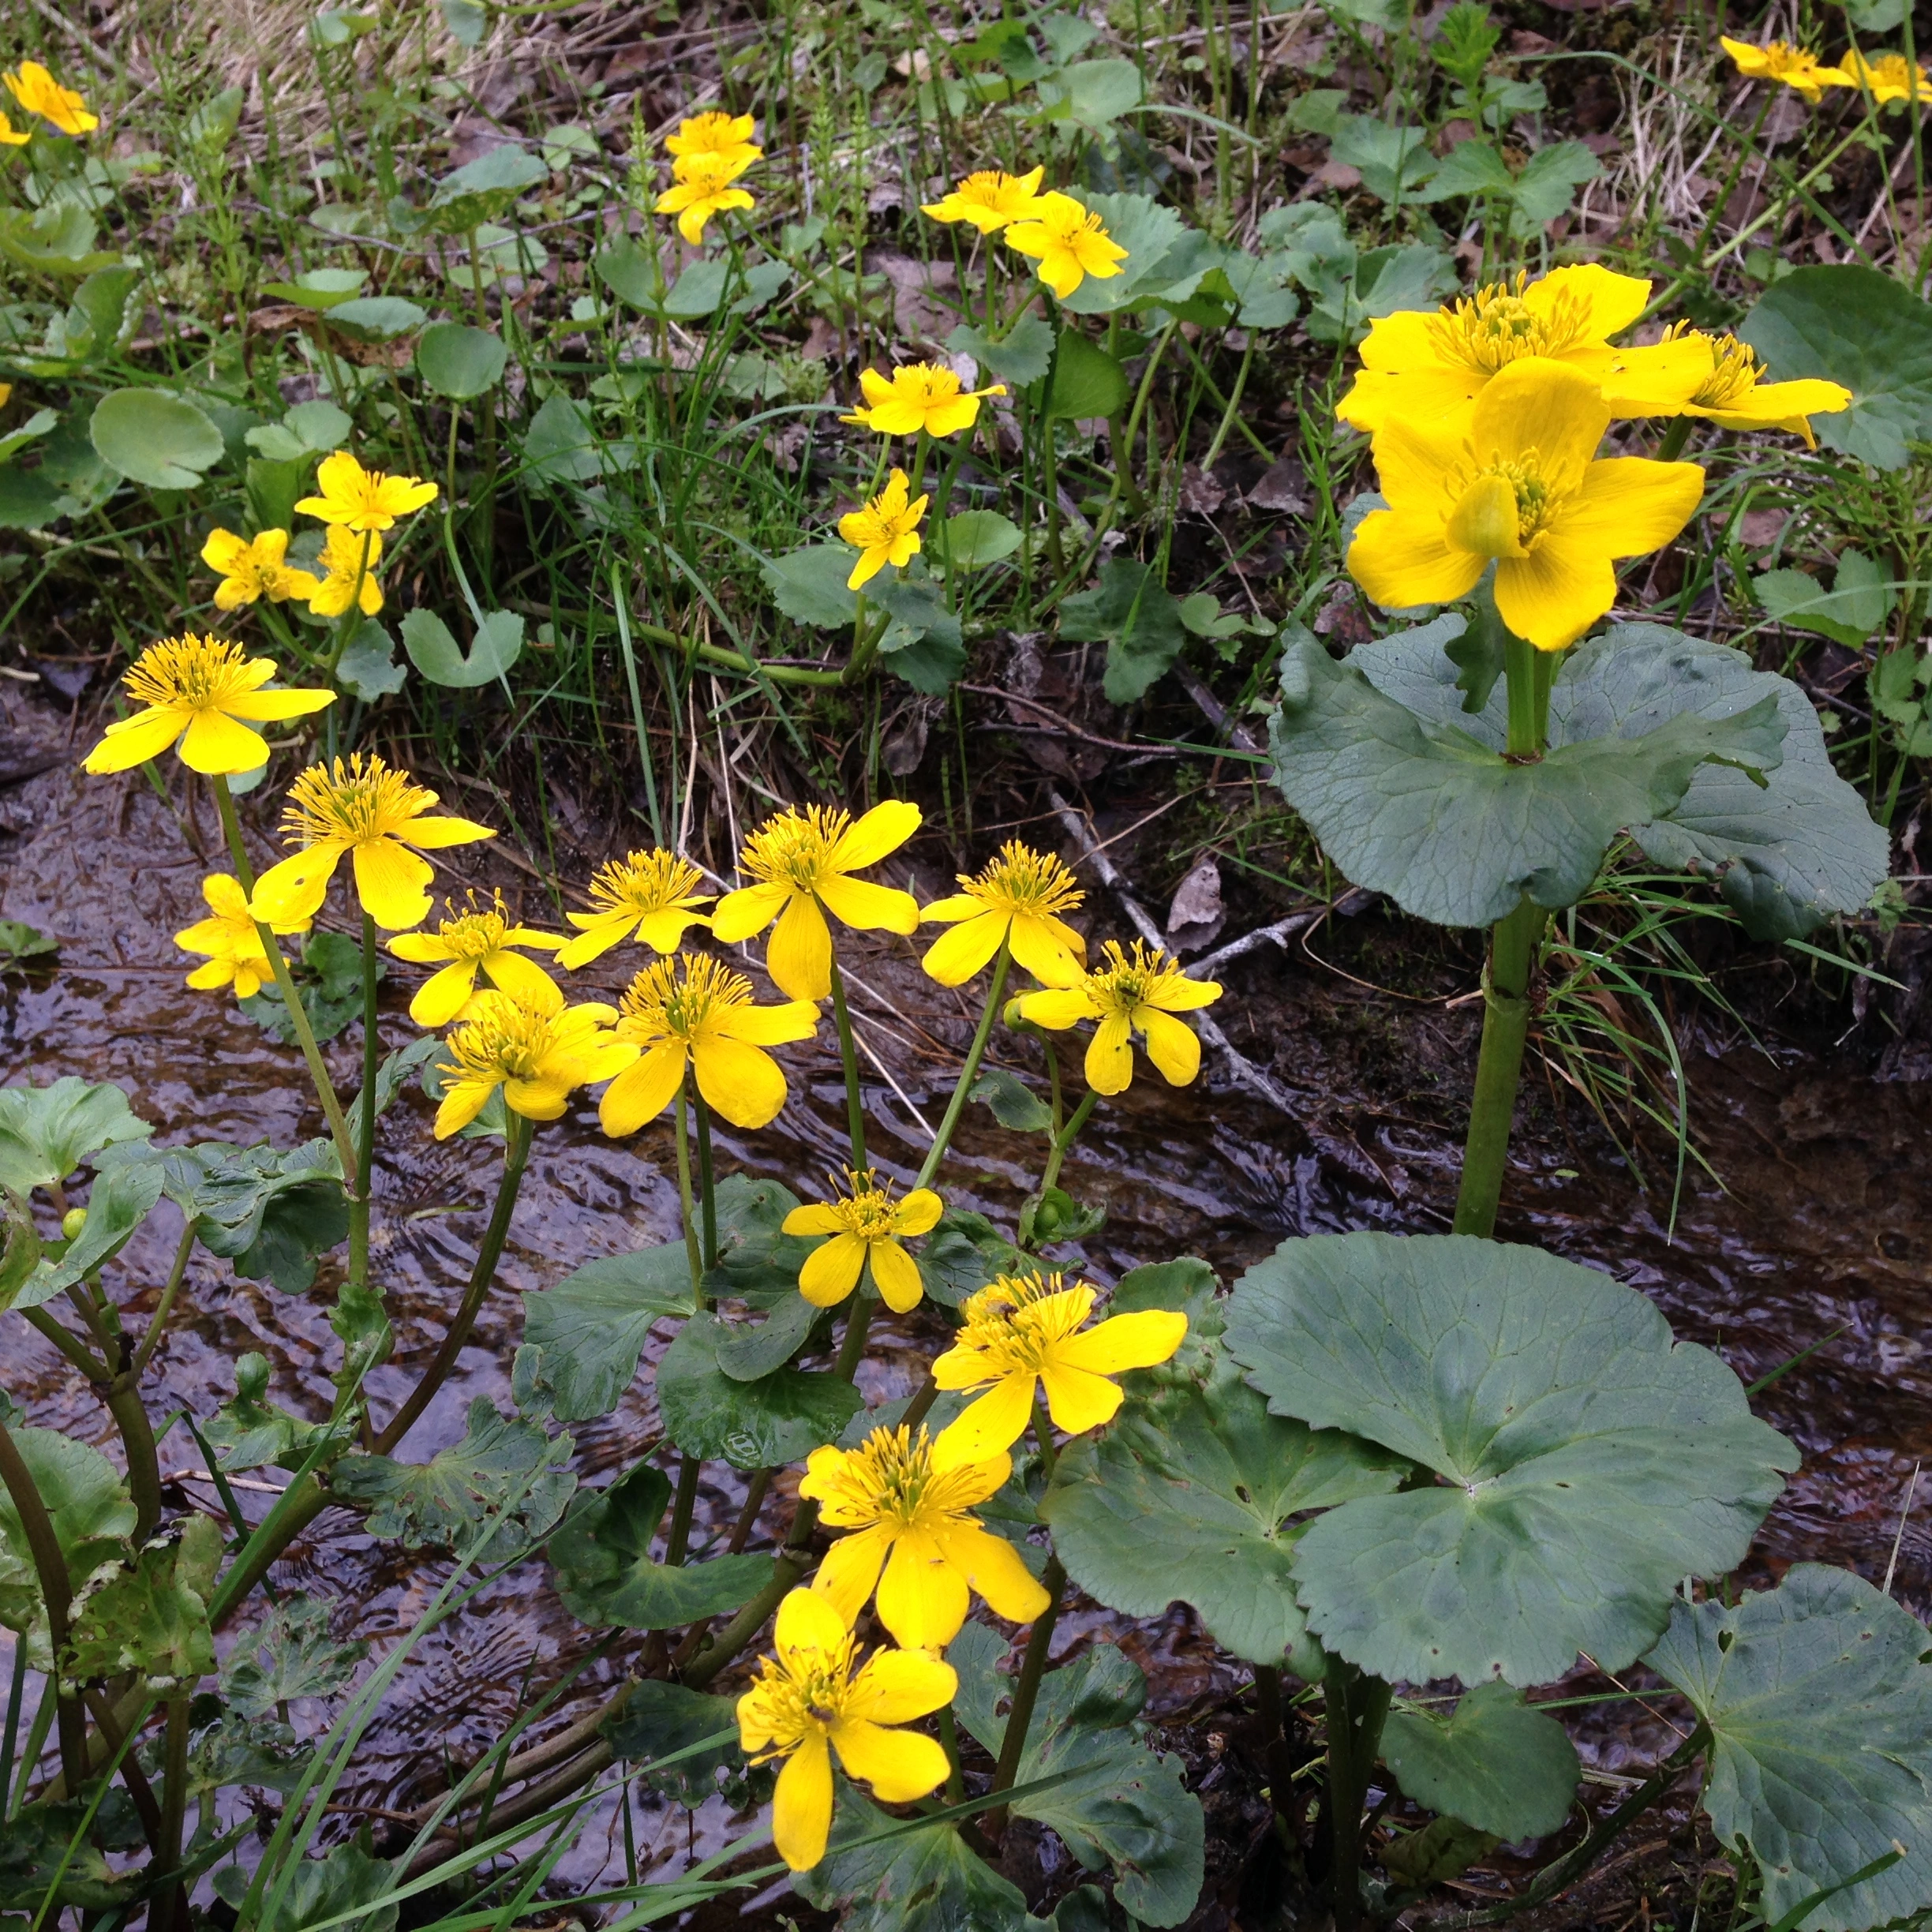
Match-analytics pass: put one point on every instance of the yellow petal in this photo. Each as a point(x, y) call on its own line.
point(1076, 1400)
point(1437, 395)
point(957, 954)
point(421, 948)
point(1414, 466)
point(831, 1271)
point(808, 1622)
point(461, 1102)
point(800, 957)
point(132, 741)
point(224, 552)
point(1403, 561)
point(802, 1805)
point(918, 1213)
point(896, 1275)
point(883, 830)
point(522, 979)
point(444, 995)
point(923, 1599)
point(295, 888)
point(1173, 1048)
point(1542, 411)
point(895, 1687)
point(867, 908)
point(1123, 1342)
point(987, 1427)
point(900, 1765)
point(598, 938)
point(994, 1569)
point(433, 834)
point(641, 1092)
point(1553, 595)
point(271, 707)
point(744, 1084)
point(1629, 505)
point(1486, 520)
point(740, 915)
point(770, 1026)
point(392, 883)
point(213, 742)
point(1611, 302)
point(851, 1569)
point(813, 1218)
point(944, 912)
point(1110, 1056)
point(1050, 949)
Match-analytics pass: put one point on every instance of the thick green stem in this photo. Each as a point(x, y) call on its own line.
point(791, 1565)
point(677, 1539)
point(172, 1908)
point(165, 1306)
point(1513, 949)
point(49, 1564)
point(298, 1013)
point(365, 1125)
point(707, 1181)
point(1026, 1691)
point(516, 1153)
point(694, 1254)
point(1356, 1706)
point(852, 1344)
point(957, 1105)
point(849, 1059)
point(1674, 438)
point(137, 1441)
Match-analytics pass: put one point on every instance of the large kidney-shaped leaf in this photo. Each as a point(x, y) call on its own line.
point(151, 437)
point(592, 1326)
point(1492, 1761)
point(1820, 1707)
point(1589, 1463)
point(273, 1213)
point(1787, 852)
point(1859, 327)
point(779, 1417)
point(1191, 1495)
point(46, 1132)
point(605, 1572)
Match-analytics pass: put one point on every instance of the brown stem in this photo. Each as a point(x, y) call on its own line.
point(144, 1465)
point(49, 1564)
point(106, 1721)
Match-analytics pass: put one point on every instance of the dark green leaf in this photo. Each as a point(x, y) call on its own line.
point(658, 1720)
point(46, 1132)
point(809, 585)
point(592, 1326)
point(330, 981)
point(290, 1655)
point(1590, 1462)
point(924, 644)
point(1053, 1215)
point(779, 1418)
point(962, 1254)
point(1820, 1707)
point(1013, 1103)
point(483, 189)
point(972, 539)
point(41, 1839)
point(1393, 161)
point(1139, 618)
point(1492, 1762)
point(123, 1195)
point(344, 1878)
point(88, 1500)
point(376, 318)
point(362, 1324)
point(251, 1432)
point(151, 437)
point(273, 1213)
point(148, 1618)
point(561, 445)
point(504, 1468)
point(393, 1074)
point(1445, 1848)
point(367, 669)
point(605, 1573)
point(1086, 381)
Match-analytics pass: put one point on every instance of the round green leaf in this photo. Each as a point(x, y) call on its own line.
point(457, 361)
point(973, 538)
point(1589, 1463)
point(1859, 327)
point(1819, 1703)
point(377, 318)
point(1086, 381)
point(154, 438)
point(1492, 1762)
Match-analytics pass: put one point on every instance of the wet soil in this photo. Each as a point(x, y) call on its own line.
point(1822, 1228)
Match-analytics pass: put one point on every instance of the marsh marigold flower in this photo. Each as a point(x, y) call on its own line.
point(989, 199)
point(884, 531)
point(1018, 898)
point(813, 1698)
point(1777, 60)
point(1890, 77)
point(1690, 373)
point(916, 396)
point(703, 187)
point(251, 568)
point(1128, 993)
point(536, 1050)
point(206, 693)
point(231, 939)
point(690, 1011)
point(714, 137)
point(1523, 487)
point(381, 818)
point(648, 896)
point(1419, 367)
point(866, 1225)
point(1068, 242)
point(40, 93)
point(801, 863)
point(363, 500)
point(1023, 1333)
point(476, 940)
point(348, 571)
point(909, 1535)
point(10, 135)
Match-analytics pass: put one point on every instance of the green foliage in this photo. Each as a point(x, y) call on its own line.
point(46, 1132)
point(367, 669)
point(1011, 1102)
point(88, 1500)
point(606, 1575)
point(20, 942)
point(287, 1657)
point(504, 1469)
point(330, 981)
point(149, 436)
point(273, 1213)
point(42, 1841)
point(962, 1254)
point(1492, 1762)
point(148, 1617)
point(808, 585)
point(1021, 356)
point(250, 1433)
point(321, 1891)
point(459, 362)
point(124, 1193)
point(1897, 684)
point(1086, 381)
point(1588, 1463)
point(498, 642)
point(1818, 1697)
point(686, 1740)
point(972, 539)
point(592, 1326)
point(779, 1417)
point(1859, 601)
point(1139, 618)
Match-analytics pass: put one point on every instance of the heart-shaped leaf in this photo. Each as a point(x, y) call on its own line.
point(1492, 1761)
point(592, 1326)
point(498, 643)
point(458, 362)
point(46, 1132)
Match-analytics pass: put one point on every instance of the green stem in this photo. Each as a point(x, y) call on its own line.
point(677, 1539)
point(1356, 1705)
point(948, 1742)
point(707, 1183)
point(16, 1695)
point(791, 1564)
point(693, 1252)
point(1026, 1691)
point(165, 1306)
point(173, 1810)
point(49, 1564)
point(1066, 1136)
point(137, 1441)
point(1674, 438)
point(849, 1059)
point(1513, 948)
point(365, 1135)
point(957, 1105)
point(298, 1013)
point(852, 1344)
point(516, 1153)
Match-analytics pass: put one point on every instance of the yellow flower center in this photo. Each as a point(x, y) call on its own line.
point(1734, 372)
point(863, 1204)
point(354, 803)
point(924, 384)
point(644, 882)
point(1015, 1322)
point(476, 935)
point(1501, 507)
point(1495, 327)
point(1125, 981)
point(189, 674)
point(791, 1697)
point(679, 998)
point(504, 1041)
point(793, 849)
point(1023, 882)
point(889, 1478)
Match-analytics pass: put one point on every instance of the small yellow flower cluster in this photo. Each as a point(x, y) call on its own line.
point(35, 91)
point(1068, 240)
point(709, 152)
point(1889, 79)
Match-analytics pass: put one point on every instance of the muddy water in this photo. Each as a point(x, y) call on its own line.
point(1825, 1226)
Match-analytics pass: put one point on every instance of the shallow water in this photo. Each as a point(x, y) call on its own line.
point(1825, 1226)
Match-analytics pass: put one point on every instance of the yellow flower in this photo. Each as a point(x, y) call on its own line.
point(1068, 242)
point(350, 573)
point(375, 813)
point(1022, 1333)
point(989, 199)
point(909, 1520)
point(232, 940)
point(204, 691)
point(809, 1700)
point(252, 569)
point(714, 137)
point(866, 1225)
point(1521, 487)
point(802, 861)
point(651, 896)
point(535, 1050)
point(362, 499)
point(884, 531)
point(1017, 897)
point(1779, 61)
point(1690, 373)
point(691, 1010)
point(918, 395)
point(1419, 367)
point(40, 93)
point(702, 188)
point(469, 943)
point(1890, 77)
point(12, 136)
point(1131, 993)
